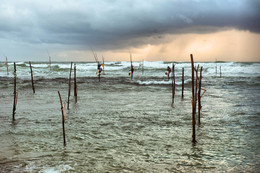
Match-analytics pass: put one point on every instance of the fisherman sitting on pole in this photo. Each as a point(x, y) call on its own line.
point(99, 69)
point(168, 72)
point(131, 71)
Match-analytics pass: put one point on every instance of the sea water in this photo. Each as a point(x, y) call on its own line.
point(124, 125)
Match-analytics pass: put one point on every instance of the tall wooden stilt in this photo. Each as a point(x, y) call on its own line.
point(63, 120)
point(173, 84)
point(68, 107)
point(199, 95)
point(182, 86)
point(193, 101)
point(32, 77)
point(15, 93)
point(196, 88)
point(75, 84)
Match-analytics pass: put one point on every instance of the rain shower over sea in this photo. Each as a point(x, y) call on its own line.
point(124, 125)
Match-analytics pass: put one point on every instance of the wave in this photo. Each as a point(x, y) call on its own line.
point(161, 82)
point(40, 65)
point(120, 69)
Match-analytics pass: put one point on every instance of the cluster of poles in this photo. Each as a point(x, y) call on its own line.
point(33, 88)
point(197, 93)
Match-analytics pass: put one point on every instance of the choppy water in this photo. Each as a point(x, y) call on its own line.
point(119, 125)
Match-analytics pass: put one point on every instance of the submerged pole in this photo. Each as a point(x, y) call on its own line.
point(182, 86)
point(32, 77)
point(50, 62)
point(199, 95)
point(6, 62)
point(63, 120)
point(99, 75)
point(173, 84)
point(75, 84)
point(193, 101)
point(220, 71)
point(15, 93)
point(68, 107)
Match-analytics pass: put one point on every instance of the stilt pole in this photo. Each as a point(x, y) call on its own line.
point(75, 84)
point(173, 84)
point(199, 95)
point(15, 93)
point(196, 88)
point(63, 120)
point(6, 62)
point(193, 101)
point(32, 77)
point(182, 88)
point(220, 71)
point(68, 107)
point(143, 67)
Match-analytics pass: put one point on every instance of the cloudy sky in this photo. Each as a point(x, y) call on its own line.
point(168, 30)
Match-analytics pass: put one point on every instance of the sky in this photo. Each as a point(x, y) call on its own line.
point(154, 30)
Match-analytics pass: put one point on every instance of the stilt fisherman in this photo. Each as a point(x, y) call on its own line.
point(168, 72)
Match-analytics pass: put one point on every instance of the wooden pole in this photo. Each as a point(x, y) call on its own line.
point(196, 88)
point(68, 107)
point(99, 72)
point(16, 99)
point(75, 84)
point(32, 77)
point(220, 71)
point(63, 120)
point(173, 84)
point(99, 75)
point(15, 93)
point(6, 62)
point(193, 101)
point(103, 64)
point(143, 67)
point(131, 68)
point(199, 95)
point(50, 62)
point(182, 87)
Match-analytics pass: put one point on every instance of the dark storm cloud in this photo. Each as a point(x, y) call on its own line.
point(109, 24)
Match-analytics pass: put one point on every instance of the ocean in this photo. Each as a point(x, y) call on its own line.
point(124, 125)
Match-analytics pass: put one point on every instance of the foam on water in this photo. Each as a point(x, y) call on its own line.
point(57, 169)
point(114, 69)
point(162, 82)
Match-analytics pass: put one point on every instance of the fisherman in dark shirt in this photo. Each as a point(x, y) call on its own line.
point(168, 72)
point(131, 72)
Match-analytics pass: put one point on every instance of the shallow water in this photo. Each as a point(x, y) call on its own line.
point(119, 125)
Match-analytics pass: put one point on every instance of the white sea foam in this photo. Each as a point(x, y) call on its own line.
point(49, 170)
point(153, 82)
point(120, 69)
point(57, 169)
point(163, 82)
